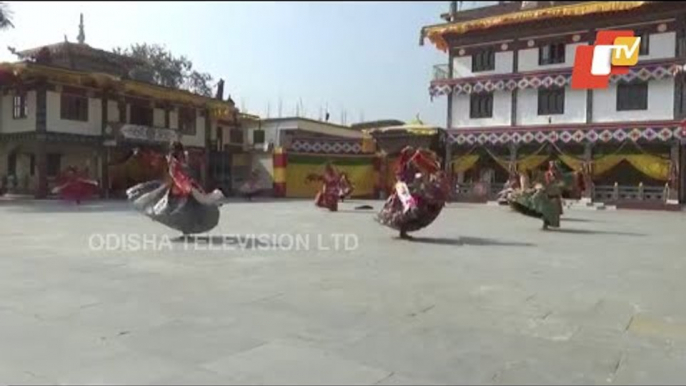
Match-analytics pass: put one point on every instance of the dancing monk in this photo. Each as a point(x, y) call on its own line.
point(178, 201)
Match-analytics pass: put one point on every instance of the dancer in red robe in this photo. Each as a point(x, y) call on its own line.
point(76, 186)
point(420, 192)
point(328, 195)
point(178, 201)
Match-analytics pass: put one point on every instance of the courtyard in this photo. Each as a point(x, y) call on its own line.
point(481, 296)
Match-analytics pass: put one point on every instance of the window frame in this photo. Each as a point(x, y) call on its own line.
point(626, 100)
point(644, 48)
point(20, 110)
point(481, 105)
point(483, 60)
point(231, 136)
point(551, 101)
point(552, 57)
point(70, 110)
point(138, 108)
point(187, 120)
point(255, 141)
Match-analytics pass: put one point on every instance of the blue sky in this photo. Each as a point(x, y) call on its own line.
point(363, 58)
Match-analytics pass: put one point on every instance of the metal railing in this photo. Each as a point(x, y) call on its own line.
point(441, 72)
point(617, 193)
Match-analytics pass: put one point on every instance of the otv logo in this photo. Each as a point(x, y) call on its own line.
point(612, 54)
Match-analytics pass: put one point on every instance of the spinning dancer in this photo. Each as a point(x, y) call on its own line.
point(75, 186)
point(544, 199)
point(178, 201)
point(420, 193)
point(328, 196)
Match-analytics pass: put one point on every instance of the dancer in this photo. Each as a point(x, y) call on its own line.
point(544, 199)
point(250, 188)
point(76, 186)
point(177, 201)
point(553, 178)
point(346, 187)
point(420, 193)
point(328, 196)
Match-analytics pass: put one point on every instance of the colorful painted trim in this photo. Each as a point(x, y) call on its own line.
point(568, 135)
point(562, 78)
point(327, 146)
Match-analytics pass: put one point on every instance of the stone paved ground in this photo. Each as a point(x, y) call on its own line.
point(482, 297)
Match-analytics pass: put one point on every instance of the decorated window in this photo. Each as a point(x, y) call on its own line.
point(483, 61)
point(632, 96)
point(551, 54)
point(74, 107)
point(20, 107)
point(481, 105)
point(551, 101)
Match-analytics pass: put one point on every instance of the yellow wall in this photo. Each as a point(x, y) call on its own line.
point(360, 172)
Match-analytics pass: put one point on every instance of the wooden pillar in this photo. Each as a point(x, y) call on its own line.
point(587, 172)
point(41, 145)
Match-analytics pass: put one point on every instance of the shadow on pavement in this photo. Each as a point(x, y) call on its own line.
point(248, 242)
point(591, 232)
point(575, 219)
point(474, 241)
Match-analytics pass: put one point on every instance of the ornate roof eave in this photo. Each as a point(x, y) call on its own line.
point(25, 70)
point(436, 33)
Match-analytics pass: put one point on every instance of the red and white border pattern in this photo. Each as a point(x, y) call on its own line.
point(486, 137)
point(535, 81)
point(322, 146)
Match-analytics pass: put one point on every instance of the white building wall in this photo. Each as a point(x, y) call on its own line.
point(54, 122)
point(10, 125)
point(502, 111)
point(661, 46)
point(660, 104)
point(158, 118)
point(528, 59)
point(462, 65)
point(527, 108)
point(112, 111)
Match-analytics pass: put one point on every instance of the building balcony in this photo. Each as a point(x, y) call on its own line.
point(441, 72)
